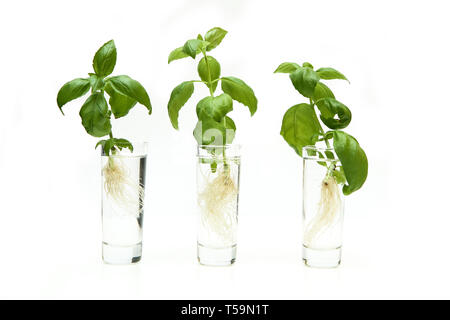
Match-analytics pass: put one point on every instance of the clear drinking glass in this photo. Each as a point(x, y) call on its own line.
point(123, 188)
point(323, 208)
point(217, 200)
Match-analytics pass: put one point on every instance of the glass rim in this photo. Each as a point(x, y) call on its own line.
point(219, 151)
point(319, 150)
point(224, 146)
point(312, 147)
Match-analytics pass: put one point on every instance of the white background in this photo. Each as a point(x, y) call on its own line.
point(396, 55)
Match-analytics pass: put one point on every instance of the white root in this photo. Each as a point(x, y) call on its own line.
point(329, 209)
point(218, 206)
point(126, 193)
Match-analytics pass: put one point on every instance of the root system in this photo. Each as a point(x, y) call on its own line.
point(218, 205)
point(329, 209)
point(121, 189)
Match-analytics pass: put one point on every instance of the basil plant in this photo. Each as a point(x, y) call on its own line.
point(301, 126)
point(96, 112)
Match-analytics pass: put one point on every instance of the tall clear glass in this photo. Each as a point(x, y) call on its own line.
point(218, 169)
point(123, 189)
point(323, 207)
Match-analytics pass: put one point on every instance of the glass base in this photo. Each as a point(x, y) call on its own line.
point(219, 257)
point(322, 258)
point(122, 254)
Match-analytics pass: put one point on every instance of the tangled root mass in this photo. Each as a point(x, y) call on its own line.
point(218, 203)
point(328, 214)
point(120, 188)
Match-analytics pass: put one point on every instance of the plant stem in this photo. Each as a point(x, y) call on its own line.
point(225, 164)
point(332, 166)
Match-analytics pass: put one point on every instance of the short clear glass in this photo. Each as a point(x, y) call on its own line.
point(323, 208)
point(123, 190)
point(218, 170)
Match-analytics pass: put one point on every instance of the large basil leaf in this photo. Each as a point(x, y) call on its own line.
point(95, 116)
point(214, 107)
point(329, 108)
point(209, 132)
point(214, 37)
point(105, 59)
point(353, 160)
point(329, 74)
point(214, 68)
point(176, 54)
point(120, 104)
point(287, 67)
point(240, 91)
point(72, 90)
point(179, 96)
point(132, 89)
point(299, 127)
point(305, 81)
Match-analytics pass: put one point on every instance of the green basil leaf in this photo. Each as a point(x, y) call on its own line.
point(120, 104)
point(230, 128)
point(105, 59)
point(123, 143)
point(194, 46)
point(107, 145)
point(209, 132)
point(132, 89)
point(299, 127)
point(305, 81)
point(214, 107)
point(330, 73)
point(95, 116)
point(214, 37)
point(329, 108)
point(240, 91)
point(339, 175)
point(71, 91)
point(307, 65)
point(97, 83)
point(330, 155)
point(322, 91)
point(176, 54)
point(287, 67)
point(214, 68)
point(179, 96)
point(353, 160)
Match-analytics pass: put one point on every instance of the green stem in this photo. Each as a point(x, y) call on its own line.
point(211, 92)
point(332, 166)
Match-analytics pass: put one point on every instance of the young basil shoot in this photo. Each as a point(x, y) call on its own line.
point(214, 129)
point(124, 93)
point(301, 128)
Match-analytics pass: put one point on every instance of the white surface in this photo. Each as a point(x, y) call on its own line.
point(396, 55)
